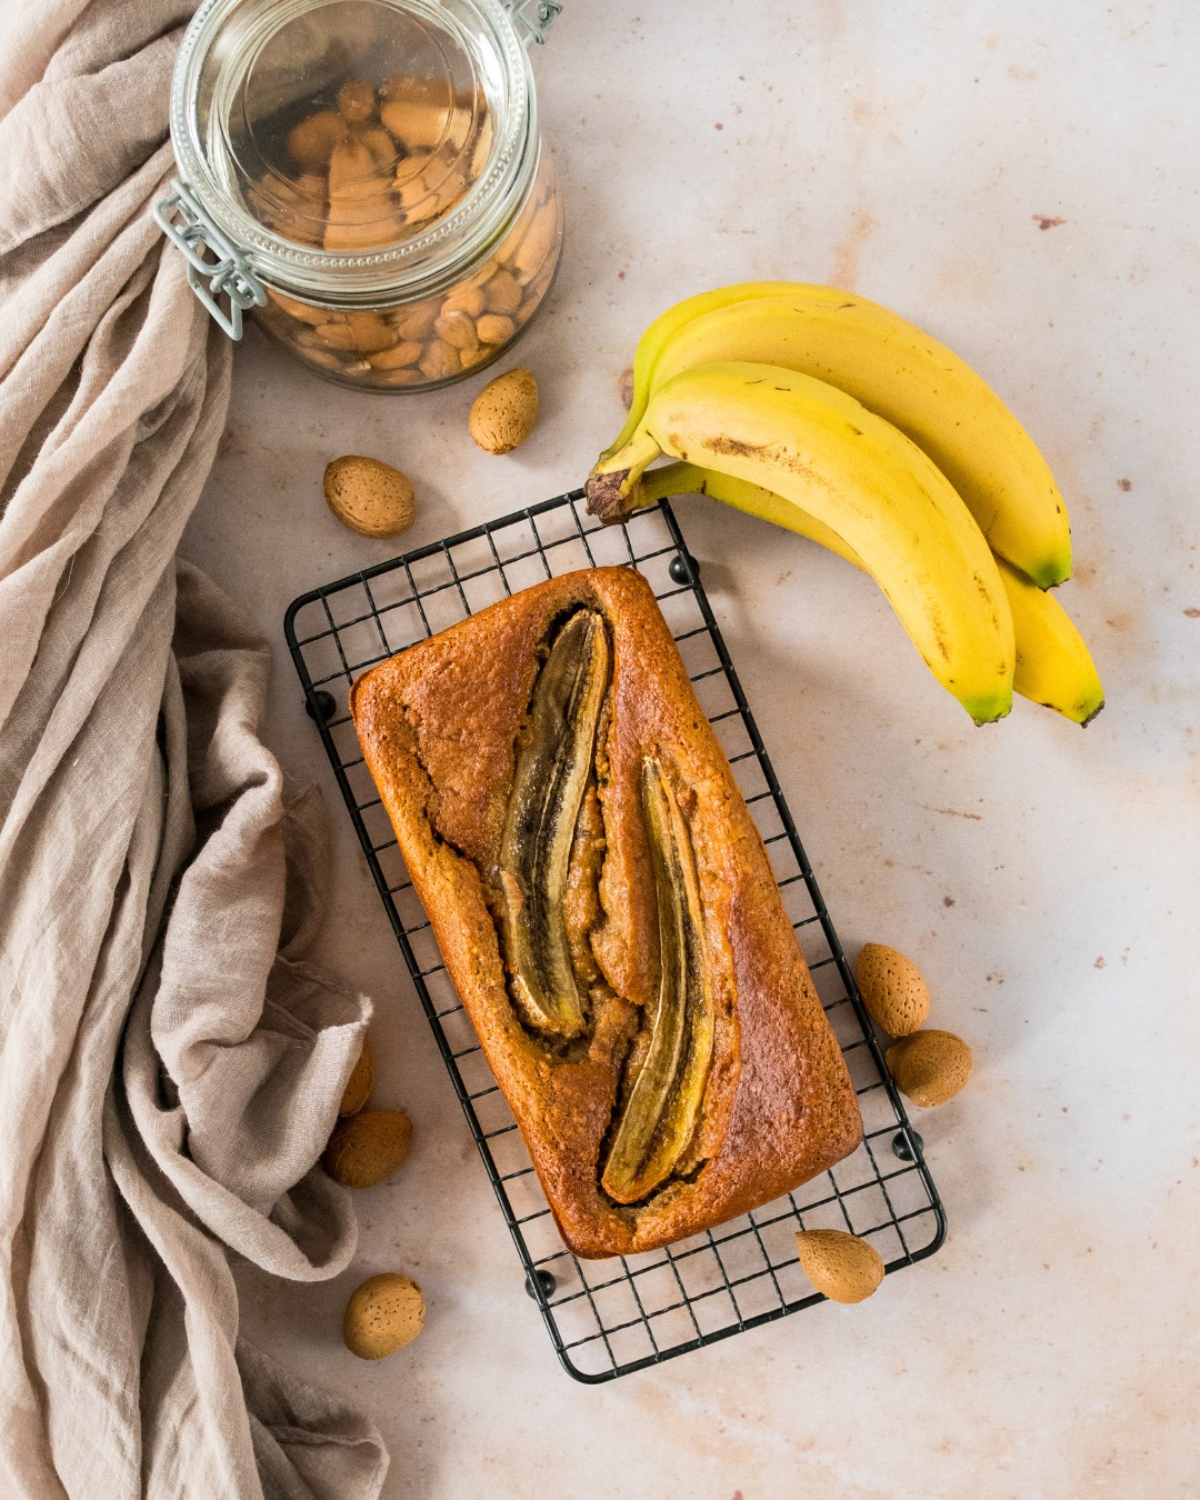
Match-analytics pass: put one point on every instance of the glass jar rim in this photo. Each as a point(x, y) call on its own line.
point(413, 266)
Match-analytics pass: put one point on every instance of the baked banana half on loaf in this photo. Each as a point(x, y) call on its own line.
point(607, 912)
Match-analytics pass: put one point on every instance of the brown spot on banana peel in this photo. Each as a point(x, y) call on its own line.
point(735, 447)
point(663, 1107)
point(553, 764)
point(779, 453)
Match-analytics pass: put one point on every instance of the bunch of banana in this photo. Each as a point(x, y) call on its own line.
point(833, 417)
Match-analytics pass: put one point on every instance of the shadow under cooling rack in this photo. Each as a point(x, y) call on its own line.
point(610, 1317)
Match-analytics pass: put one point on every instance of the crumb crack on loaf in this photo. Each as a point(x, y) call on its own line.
point(607, 912)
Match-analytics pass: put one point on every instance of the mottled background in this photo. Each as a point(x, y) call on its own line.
point(1018, 178)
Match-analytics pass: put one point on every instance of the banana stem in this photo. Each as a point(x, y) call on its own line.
point(611, 497)
point(613, 485)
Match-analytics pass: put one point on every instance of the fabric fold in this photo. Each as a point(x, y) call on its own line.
point(170, 1062)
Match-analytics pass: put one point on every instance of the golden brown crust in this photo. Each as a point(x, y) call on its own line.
point(438, 726)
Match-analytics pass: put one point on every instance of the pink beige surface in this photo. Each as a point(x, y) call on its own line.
point(1013, 182)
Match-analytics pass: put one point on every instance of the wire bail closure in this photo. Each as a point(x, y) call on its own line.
point(182, 218)
point(533, 18)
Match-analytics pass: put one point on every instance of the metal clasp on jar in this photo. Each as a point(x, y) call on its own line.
point(182, 218)
point(533, 18)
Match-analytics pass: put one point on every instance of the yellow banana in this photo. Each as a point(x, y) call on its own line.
point(665, 327)
point(689, 479)
point(1053, 664)
point(816, 446)
point(902, 375)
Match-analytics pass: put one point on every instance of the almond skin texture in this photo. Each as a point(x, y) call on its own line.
point(370, 497)
point(384, 1314)
point(895, 994)
point(930, 1067)
point(842, 1266)
point(360, 1083)
point(493, 328)
point(505, 411)
point(368, 1147)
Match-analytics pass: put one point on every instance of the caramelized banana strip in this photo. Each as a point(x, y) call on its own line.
point(554, 759)
point(664, 1104)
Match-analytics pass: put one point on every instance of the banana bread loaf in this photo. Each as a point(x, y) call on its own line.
point(607, 912)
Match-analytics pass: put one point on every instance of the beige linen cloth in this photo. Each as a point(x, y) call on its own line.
point(169, 1066)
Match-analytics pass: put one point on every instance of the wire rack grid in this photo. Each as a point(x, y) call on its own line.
point(611, 1317)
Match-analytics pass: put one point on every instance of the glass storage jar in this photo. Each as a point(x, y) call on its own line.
point(367, 176)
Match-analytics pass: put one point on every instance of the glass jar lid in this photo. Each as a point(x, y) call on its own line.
point(351, 146)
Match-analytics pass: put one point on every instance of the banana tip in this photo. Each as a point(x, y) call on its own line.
point(1051, 574)
point(989, 712)
point(1083, 723)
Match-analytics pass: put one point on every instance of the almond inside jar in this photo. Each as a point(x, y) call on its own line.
point(384, 165)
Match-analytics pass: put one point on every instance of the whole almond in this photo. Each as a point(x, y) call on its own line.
point(384, 1314)
point(440, 360)
point(370, 334)
point(316, 353)
point(505, 411)
point(336, 336)
point(493, 328)
point(368, 1147)
point(457, 329)
point(502, 293)
point(398, 357)
point(930, 1067)
point(467, 299)
point(427, 125)
point(841, 1265)
point(360, 1083)
point(893, 990)
point(369, 497)
point(415, 322)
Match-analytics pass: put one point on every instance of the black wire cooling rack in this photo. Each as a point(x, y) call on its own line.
point(611, 1317)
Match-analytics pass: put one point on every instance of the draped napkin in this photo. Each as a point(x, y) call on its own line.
point(170, 1066)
